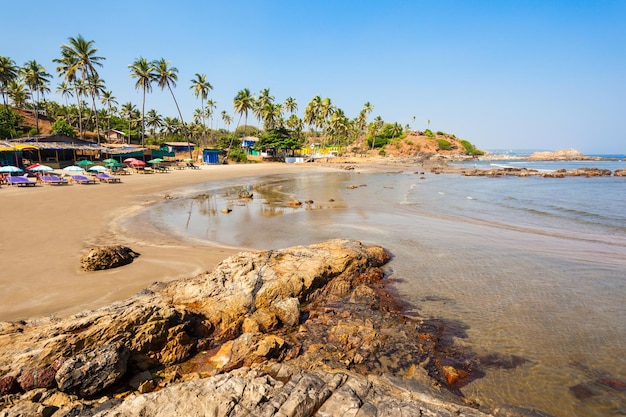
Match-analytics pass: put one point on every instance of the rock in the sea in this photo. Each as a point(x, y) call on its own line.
point(107, 257)
point(87, 374)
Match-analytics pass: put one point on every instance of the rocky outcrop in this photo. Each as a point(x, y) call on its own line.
point(107, 257)
point(321, 311)
point(525, 172)
point(564, 154)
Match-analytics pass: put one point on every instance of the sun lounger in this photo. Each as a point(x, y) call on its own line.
point(53, 180)
point(20, 181)
point(82, 179)
point(104, 177)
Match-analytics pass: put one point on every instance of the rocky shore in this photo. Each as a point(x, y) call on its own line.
point(301, 331)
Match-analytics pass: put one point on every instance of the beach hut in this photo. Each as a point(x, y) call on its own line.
point(211, 156)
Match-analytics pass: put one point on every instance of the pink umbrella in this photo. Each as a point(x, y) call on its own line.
point(137, 163)
point(127, 160)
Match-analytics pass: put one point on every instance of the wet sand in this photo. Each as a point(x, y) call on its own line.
point(46, 229)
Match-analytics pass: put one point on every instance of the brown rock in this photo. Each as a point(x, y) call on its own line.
point(107, 257)
point(38, 378)
point(9, 385)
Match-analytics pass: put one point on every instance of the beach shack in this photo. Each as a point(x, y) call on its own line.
point(56, 150)
point(211, 156)
point(247, 143)
point(178, 147)
point(114, 136)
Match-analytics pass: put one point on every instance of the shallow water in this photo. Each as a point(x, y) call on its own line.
point(530, 268)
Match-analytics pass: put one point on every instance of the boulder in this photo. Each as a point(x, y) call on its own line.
point(107, 257)
point(87, 374)
point(9, 385)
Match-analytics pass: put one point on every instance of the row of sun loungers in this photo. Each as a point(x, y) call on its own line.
point(20, 181)
point(50, 179)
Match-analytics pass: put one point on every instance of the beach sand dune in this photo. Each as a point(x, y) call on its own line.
point(45, 230)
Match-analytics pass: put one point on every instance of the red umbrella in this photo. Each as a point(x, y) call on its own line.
point(32, 166)
point(137, 163)
point(127, 160)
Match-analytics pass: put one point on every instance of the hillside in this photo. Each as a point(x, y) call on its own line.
point(416, 144)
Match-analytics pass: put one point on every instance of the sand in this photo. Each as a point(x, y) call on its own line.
point(46, 229)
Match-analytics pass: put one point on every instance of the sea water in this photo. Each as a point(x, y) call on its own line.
point(528, 270)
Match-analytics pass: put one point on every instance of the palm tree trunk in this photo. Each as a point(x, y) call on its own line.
point(181, 119)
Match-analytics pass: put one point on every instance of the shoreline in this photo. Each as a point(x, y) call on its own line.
point(47, 229)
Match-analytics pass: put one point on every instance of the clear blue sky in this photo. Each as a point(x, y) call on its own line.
point(533, 74)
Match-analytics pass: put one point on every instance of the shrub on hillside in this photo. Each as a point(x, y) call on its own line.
point(62, 127)
point(444, 145)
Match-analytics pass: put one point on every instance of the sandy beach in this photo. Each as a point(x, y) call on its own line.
point(46, 229)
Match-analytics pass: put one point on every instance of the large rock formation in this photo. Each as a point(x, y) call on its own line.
point(321, 311)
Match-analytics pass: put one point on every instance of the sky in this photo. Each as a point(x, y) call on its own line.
point(518, 74)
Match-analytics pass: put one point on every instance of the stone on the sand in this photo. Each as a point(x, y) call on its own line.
point(107, 257)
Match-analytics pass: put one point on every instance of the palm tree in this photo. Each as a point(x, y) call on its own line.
point(8, 73)
point(79, 56)
point(167, 76)
point(18, 93)
point(272, 115)
point(36, 79)
point(226, 118)
point(154, 121)
point(96, 87)
point(312, 111)
point(201, 88)
point(65, 90)
point(264, 99)
point(129, 111)
point(242, 103)
point(145, 74)
point(108, 99)
point(291, 105)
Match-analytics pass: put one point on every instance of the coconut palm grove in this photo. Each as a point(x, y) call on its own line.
point(89, 109)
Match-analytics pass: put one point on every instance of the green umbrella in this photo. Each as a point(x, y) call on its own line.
point(188, 160)
point(84, 162)
point(155, 161)
point(109, 161)
point(114, 164)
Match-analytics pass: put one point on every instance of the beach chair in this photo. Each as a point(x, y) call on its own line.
point(83, 179)
point(20, 181)
point(53, 180)
point(104, 177)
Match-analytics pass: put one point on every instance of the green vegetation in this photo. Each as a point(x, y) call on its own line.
point(95, 109)
point(61, 126)
point(444, 145)
point(470, 149)
point(280, 138)
point(9, 120)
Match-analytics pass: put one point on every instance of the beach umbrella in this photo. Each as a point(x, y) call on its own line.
point(84, 163)
point(73, 168)
point(188, 160)
point(97, 168)
point(137, 163)
point(114, 164)
point(40, 168)
point(109, 160)
point(128, 160)
point(10, 168)
point(155, 161)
